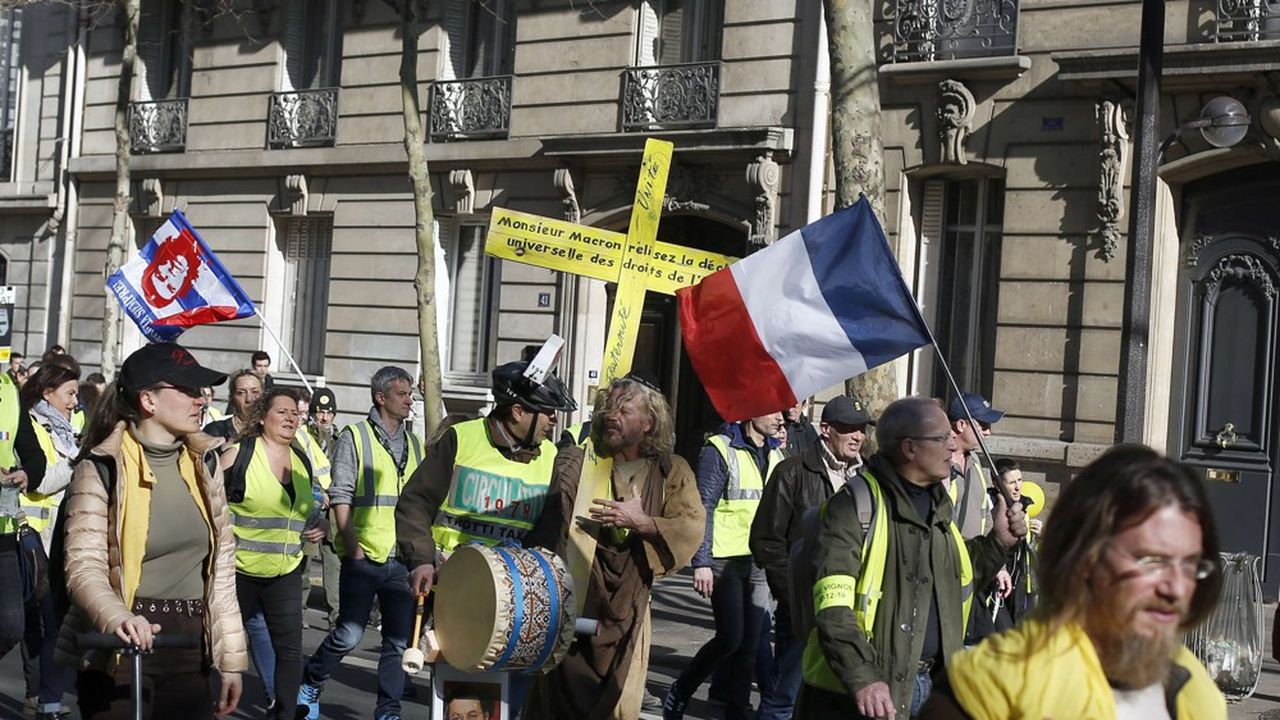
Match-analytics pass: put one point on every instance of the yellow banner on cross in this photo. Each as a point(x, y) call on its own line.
point(595, 253)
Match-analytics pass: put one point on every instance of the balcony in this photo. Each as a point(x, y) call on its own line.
point(471, 109)
point(931, 30)
point(671, 96)
point(157, 126)
point(304, 118)
point(1246, 20)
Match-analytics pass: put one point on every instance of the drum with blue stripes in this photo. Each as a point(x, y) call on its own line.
point(503, 608)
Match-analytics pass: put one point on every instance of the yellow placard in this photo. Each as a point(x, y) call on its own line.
point(591, 252)
point(620, 344)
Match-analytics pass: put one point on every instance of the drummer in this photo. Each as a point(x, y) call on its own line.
point(484, 479)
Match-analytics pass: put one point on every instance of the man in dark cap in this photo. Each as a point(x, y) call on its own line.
point(320, 432)
point(799, 483)
point(969, 483)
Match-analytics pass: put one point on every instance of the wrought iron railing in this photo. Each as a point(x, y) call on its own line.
point(304, 118)
point(925, 30)
point(1245, 20)
point(671, 96)
point(6, 153)
point(158, 126)
point(470, 109)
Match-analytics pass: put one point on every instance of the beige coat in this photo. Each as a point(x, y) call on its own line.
point(95, 578)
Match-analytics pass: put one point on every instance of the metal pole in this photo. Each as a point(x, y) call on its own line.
point(284, 350)
point(1131, 392)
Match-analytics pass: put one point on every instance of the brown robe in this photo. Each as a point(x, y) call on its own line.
point(602, 677)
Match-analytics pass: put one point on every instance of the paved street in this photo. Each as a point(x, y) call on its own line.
point(682, 622)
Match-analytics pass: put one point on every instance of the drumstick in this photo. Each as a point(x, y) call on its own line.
point(413, 659)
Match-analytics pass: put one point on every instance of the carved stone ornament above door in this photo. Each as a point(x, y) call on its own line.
point(955, 121)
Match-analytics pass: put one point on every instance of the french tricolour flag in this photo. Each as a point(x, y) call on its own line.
point(176, 282)
point(819, 306)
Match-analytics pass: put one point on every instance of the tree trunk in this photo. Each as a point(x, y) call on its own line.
point(120, 208)
point(424, 282)
point(856, 145)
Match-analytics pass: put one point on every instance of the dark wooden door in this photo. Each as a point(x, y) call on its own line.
point(1225, 377)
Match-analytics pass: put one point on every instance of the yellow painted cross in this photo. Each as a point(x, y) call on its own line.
point(637, 262)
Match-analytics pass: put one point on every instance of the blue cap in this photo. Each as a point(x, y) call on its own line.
point(979, 407)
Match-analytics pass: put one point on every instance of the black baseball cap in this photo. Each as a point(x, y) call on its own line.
point(165, 363)
point(846, 411)
point(323, 399)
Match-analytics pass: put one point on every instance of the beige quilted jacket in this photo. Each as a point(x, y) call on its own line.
point(93, 562)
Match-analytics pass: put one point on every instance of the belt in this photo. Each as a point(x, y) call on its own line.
point(925, 666)
point(190, 608)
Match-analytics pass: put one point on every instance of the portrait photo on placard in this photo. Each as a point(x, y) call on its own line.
point(463, 696)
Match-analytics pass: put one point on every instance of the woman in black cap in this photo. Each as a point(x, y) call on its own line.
point(149, 547)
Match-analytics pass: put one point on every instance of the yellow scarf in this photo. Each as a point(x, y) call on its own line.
point(135, 509)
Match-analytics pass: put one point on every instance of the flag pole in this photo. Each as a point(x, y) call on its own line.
point(285, 351)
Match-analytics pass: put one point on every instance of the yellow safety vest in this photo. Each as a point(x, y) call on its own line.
point(953, 489)
point(320, 466)
point(77, 420)
point(10, 412)
point(868, 589)
point(267, 525)
point(40, 509)
point(731, 521)
point(491, 498)
point(378, 486)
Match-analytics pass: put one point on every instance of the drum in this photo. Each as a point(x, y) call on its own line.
point(503, 608)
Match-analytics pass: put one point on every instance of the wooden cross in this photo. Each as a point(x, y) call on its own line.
point(637, 262)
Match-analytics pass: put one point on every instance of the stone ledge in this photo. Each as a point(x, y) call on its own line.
point(781, 140)
point(27, 197)
point(1070, 454)
point(1007, 67)
point(1199, 65)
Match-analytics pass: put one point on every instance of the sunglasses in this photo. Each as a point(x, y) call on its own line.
point(193, 393)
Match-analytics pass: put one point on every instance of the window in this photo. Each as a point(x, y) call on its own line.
point(481, 39)
point(10, 81)
point(308, 247)
point(471, 296)
point(679, 31)
point(164, 51)
point(968, 283)
point(312, 40)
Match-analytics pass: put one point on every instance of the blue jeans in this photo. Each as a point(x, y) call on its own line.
point(38, 646)
point(360, 582)
point(778, 693)
point(738, 600)
point(261, 652)
point(920, 692)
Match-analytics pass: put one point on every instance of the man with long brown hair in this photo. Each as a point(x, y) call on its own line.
point(648, 527)
point(1128, 562)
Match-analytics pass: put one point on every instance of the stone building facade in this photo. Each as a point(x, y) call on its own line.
point(1007, 134)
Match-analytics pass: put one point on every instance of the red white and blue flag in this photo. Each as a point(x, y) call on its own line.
point(176, 282)
point(819, 306)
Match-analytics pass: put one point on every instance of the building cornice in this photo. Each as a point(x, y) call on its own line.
point(1186, 67)
point(27, 198)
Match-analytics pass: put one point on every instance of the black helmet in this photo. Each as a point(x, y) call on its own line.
point(511, 387)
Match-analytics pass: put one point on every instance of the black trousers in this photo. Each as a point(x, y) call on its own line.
point(12, 608)
point(278, 599)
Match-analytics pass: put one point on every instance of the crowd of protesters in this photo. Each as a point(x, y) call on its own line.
point(841, 584)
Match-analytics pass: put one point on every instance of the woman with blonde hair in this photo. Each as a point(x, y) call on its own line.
point(149, 548)
point(269, 487)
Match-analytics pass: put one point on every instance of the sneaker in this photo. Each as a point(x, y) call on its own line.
point(650, 702)
point(389, 716)
point(308, 700)
point(29, 705)
point(673, 704)
point(271, 705)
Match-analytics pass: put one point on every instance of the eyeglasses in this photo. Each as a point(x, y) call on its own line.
point(931, 438)
point(193, 393)
point(1157, 566)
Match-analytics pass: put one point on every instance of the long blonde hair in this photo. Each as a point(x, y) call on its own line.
point(661, 438)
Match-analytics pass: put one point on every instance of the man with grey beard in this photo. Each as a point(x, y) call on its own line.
point(1128, 562)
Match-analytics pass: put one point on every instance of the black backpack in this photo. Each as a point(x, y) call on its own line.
point(802, 550)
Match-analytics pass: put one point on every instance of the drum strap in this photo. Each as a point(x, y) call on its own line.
point(553, 632)
point(517, 591)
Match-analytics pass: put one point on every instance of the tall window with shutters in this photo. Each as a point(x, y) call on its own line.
point(164, 50)
point(670, 32)
point(311, 35)
point(308, 247)
point(480, 39)
point(10, 79)
point(972, 212)
point(472, 289)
